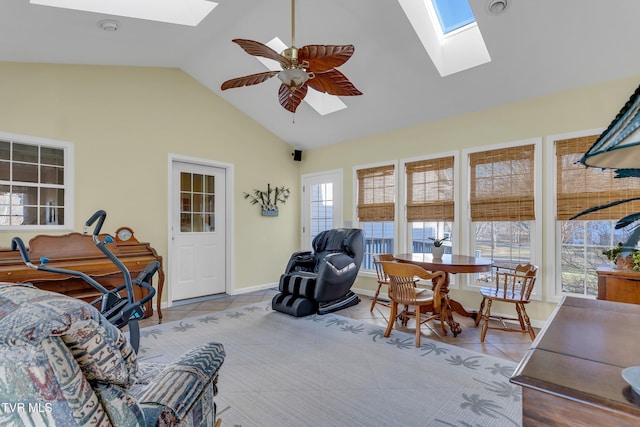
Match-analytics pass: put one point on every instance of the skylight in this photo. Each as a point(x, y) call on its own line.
point(451, 52)
point(321, 102)
point(183, 12)
point(453, 14)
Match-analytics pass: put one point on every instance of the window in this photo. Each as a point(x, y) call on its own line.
point(198, 210)
point(583, 240)
point(376, 210)
point(430, 202)
point(35, 182)
point(321, 208)
point(448, 32)
point(453, 14)
point(321, 204)
point(502, 204)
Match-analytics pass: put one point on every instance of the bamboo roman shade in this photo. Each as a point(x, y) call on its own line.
point(430, 190)
point(376, 194)
point(580, 188)
point(502, 184)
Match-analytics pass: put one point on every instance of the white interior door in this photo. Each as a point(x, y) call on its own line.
point(321, 204)
point(198, 231)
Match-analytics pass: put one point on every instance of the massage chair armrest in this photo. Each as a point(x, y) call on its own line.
point(301, 261)
point(172, 394)
point(336, 274)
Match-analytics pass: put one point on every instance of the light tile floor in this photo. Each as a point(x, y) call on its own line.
point(506, 345)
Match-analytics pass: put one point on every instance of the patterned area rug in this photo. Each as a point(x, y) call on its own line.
point(334, 371)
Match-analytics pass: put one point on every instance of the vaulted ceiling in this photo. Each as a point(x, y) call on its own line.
point(537, 47)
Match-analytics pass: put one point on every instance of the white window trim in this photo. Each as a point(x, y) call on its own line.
point(69, 181)
point(537, 225)
point(552, 275)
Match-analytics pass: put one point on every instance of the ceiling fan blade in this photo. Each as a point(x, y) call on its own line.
point(290, 99)
point(333, 82)
point(258, 49)
point(324, 57)
point(252, 79)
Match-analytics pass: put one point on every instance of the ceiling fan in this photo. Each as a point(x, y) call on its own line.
point(309, 66)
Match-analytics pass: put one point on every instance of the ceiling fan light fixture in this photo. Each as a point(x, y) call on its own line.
point(293, 78)
point(497, 7)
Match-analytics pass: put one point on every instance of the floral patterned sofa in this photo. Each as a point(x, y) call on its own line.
point(63, 364)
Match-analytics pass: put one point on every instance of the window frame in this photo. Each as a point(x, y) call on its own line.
point(553, 247)
point(405, 238)
point(335, 176)
point(358, 223)
point(467, 228)
point(69, 180)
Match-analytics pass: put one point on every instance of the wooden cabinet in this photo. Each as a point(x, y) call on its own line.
point(618, 285)
point(572, 374)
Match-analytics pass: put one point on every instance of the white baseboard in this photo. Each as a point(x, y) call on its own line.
point(262, 287)
point(166, 304)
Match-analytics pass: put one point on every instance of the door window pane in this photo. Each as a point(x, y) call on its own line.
point(197, 203)
point(321, 208)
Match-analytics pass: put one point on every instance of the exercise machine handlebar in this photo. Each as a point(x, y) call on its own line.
point(100, 215)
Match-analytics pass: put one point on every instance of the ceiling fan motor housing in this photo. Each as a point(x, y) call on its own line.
point(291, 54)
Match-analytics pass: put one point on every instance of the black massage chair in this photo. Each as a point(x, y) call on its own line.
point(319, 281)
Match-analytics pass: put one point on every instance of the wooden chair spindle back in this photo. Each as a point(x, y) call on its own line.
point(517, 283)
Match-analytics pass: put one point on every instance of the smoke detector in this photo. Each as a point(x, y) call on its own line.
point(109, 25)
point(496, 7)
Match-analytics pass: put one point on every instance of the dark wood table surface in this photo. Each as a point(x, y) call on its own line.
point(450, 264)
point(572, 373)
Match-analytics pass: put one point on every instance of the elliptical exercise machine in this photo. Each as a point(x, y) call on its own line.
point(118, 310)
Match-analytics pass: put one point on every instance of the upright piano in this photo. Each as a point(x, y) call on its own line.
point(78, 252)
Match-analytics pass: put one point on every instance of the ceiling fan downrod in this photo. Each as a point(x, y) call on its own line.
point(291, 53)
point(295, 75)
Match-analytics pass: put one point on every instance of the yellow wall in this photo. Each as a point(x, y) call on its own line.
point(577, 110)
point(124, 123)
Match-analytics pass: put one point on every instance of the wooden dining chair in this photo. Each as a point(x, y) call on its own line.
point(404, 290)
point(383, 279)
point(512, 285)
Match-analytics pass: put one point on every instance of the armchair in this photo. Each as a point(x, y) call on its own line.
point(319, 281)
point(62, 363)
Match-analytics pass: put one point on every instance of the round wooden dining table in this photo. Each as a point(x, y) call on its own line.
point(450, 264)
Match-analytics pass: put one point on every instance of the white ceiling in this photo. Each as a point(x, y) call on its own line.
point(537, 47)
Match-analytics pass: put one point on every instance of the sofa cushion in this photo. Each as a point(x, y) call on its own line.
point(102, 351)
point(121, 406)
point(63, 376)
point(30, 315)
